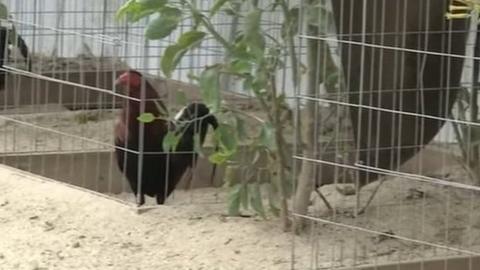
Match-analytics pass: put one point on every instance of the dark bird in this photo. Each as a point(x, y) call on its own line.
point(160, 171)
point(7, 38)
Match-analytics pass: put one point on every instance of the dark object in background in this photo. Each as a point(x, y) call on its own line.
point(160, 171)
point(392, 79)
point(5, 52)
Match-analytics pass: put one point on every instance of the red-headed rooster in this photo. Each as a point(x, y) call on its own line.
point(160, 171)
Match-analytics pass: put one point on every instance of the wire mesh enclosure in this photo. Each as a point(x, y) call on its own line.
point(59, 116)
point(386, 127)
point(404, 103)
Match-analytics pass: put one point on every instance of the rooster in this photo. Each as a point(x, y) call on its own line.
point(160, 171)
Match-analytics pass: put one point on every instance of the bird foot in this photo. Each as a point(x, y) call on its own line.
point(159, 199)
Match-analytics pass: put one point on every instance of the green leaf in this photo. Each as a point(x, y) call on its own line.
point(225, 135)
point(153, 3)
point(146, 118)
point(3, 11)
point(164, 24)
point(260, 81)
point(171, 58)
point(191, 39)
point(241, 50)
point(197, 18)
point(234, 200)
point(252, 33)
point(174, 53)
point(252, 25)
point(210, 88)
point(230, 11)
point(170, 141)
point(230, 175)
point(256, 199)
point(221, 157)
point(218, 158)
point(140, 13)
point(129, 6)
point(138, 9)
point(267, 136)
point(240, 66)
point(217, 6)
point(180, 98)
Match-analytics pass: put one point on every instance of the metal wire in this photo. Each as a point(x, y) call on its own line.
point(383, 51)
point(82, 92)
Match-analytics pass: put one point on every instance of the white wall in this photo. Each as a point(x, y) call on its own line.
point(69, 19)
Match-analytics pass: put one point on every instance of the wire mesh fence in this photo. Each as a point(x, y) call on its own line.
point(59, 117)
point(404, 98)
point(393, 92)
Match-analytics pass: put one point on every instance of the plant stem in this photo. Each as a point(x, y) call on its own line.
point(246, 114)
point(307, 174)
point(281, 165)
point(205, 22)
point(291, 42)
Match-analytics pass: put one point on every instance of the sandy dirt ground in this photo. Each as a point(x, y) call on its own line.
point(49, 225)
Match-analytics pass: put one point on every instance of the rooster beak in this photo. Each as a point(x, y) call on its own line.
point(212, 120)
point(119, 86)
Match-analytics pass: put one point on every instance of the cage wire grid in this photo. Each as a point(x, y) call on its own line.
point(390, 55)
point(58, 119)
point(427, 213)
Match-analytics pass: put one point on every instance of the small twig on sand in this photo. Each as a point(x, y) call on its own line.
point(327, 204)
point(371, 198)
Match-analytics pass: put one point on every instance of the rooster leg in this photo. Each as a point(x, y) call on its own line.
point(141, 200)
